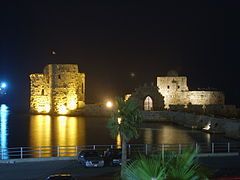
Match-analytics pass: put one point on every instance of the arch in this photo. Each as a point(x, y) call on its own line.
point(148, 104)
point(147, 93)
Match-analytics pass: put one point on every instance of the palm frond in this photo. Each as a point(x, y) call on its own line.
point(145, 168)
point(131, 117)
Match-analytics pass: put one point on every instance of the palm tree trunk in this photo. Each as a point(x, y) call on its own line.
point(124, 154)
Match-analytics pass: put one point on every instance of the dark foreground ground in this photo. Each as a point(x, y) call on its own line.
point(220, 166)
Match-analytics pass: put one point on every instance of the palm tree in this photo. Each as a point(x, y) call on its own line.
point(125, 120)
point(145, 168)
point(172, 166)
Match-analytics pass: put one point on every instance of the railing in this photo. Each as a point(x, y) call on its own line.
point(72, 151)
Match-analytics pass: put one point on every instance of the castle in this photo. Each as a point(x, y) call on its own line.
point(176, 92)
point(59, 90)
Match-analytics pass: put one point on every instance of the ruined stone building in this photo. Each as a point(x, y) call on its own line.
point(147, 98)
point(59, 90)
point(172, 90)
point(176, 92)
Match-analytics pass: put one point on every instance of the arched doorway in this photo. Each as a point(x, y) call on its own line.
point(148, 104)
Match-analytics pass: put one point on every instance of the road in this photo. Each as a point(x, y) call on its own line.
point(220, 166)
point(41, 170)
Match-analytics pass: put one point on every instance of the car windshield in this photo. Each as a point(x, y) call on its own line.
point(91, 154)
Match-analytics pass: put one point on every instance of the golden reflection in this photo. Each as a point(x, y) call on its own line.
point(72, 133)
point(118, 141)
point(67, 135)
point(61, 123)
point(148, 137)
point(170, 135)
point(40, 135)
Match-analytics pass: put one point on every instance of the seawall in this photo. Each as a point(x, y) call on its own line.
point(228, 127)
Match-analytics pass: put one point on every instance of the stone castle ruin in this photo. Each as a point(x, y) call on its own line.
point(173, 93)
point(59, 90)
point(176, 92)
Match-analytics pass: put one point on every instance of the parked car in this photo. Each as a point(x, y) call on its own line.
point(90, 158)
point(113, 157)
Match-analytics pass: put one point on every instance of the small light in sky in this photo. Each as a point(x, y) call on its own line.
point(132, 74)
point(53, 52)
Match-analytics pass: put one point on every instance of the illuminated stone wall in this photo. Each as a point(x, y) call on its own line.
point(174, 89)
point(206, 97)
point(65, 87)
point(40, 100)
point(175, 92)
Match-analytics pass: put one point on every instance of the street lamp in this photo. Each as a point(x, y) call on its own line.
point(3, 85)
point(109, 104)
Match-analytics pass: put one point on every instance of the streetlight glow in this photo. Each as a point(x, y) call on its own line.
point(3, 85)
point(109, 104)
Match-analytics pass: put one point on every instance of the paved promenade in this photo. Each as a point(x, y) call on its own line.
point(220, 166)
point(223, 166)
point(41, 170)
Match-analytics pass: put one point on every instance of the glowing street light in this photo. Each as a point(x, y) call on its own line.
point(109, 104)
point(3, 88)
point(3, 85)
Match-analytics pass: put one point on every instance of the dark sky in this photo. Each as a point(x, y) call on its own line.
point(198, 39)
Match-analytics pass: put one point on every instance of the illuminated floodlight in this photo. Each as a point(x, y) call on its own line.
point(3, 85)
point(62, 110)
point(208, 126)
point(109, 104)
point(119, 120)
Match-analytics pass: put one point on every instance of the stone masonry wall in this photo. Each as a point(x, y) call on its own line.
point(228, 127)
point(174, 89)
point(39, 94)
point(66, 88)
point(206, 97)
point(175, 92)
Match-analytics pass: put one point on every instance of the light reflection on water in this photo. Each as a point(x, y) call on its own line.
point(156, 133)
point(169, 134)
point(4, 130)
point(40, 134)
point(49, 132)
point(18, 130)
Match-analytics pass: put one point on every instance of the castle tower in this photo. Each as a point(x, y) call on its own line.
point(59, 90)
point(174, 89)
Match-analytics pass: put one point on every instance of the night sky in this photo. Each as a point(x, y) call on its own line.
point(109, 41)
